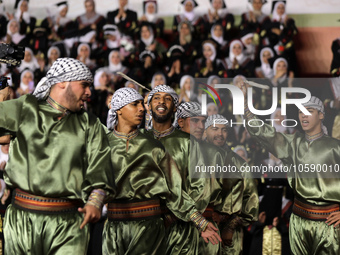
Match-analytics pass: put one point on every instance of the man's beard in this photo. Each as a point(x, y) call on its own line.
point(70, 96)
point(161, 118)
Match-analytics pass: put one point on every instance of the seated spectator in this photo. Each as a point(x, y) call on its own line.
point(22, 15)
point(212, 109)
point(217, 35)
point(52, 54)
point(247, 38)
point(58, 24)
point(150, 15)
point(187, 85)
point(282, 76)
point(190, 46)
point(158, 79)
point(29, 62)
point(13, 34)
point(90, 23)
point(130, 84)
point(190, 16)
point(115, 65)
point(208, 64)
point(255, 20)
point(26, 83)
point(124, 18)
point(281, 32)
point(237, 63)
point(220, 14)
point(174, 67)
point(84, 53)
point(265, 70)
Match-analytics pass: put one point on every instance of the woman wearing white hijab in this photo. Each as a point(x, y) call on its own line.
point(237, 63)
point(29, 62)
point(208, 64)
point(24, 18)
point(151, 16)
point(115, 65)
point(265, 70)
point(187, 85)
point(26, 83)
point(13, 33)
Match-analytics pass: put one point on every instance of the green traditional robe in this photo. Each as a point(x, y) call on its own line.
point(52, 157)
point(300, 150)
point(183, 238)
point(144, 170)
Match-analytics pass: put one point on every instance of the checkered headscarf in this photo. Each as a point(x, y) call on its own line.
point(188, 109)
point(63, 69)
point(317, 104)
point(161, 88)
point(219, 119)
point(120, 98)
point(166, 89)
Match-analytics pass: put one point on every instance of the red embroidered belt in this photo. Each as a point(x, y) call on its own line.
point(208, 211)
point(128, 210)
point(313, 212)
point(45, 205)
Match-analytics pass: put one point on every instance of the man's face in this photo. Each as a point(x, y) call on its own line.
point(162, 107)
point(193, 126)
point(131, 114)
point(217, 134)
point(76, 94)
point(311, 124)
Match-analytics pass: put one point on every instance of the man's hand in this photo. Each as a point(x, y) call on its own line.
point(4, 94)
point(210, 234)
point(333, 218)
point(91, 214)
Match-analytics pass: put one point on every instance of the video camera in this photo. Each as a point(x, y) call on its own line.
point(12, 56)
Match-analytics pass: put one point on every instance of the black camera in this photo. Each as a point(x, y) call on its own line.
point(3, 82)
point(11, 54)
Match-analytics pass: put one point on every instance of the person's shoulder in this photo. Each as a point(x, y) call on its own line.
point(181, 134)
point(333, 142)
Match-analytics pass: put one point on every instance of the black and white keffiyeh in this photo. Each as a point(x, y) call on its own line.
point(317, 104)
point(120, 98)
point(216, 119)
point(63, 69)
point(165, 89)
point(161, 88)
point(188, 109)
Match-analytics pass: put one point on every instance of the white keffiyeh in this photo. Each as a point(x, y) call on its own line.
point(63, 69)
point(120, 98)
point(215, 119)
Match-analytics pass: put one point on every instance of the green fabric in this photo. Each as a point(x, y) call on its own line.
point(144, 158)
point(309, 237)
point(144, 170)
point(306, 236)
point(236, 247)
point(296, 150)
point(64, 158)
point(44, 234)
point(144, 237)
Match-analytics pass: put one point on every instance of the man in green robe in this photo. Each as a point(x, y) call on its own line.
point(216, 131)
point(145, 174)
point(59, 158)
point(312, 158)
point(228, 201)
point(183, 237)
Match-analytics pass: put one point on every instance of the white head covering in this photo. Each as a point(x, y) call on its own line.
point(276, 16)
point(154, 77)
point(120, 98)
point(24, 86)
point(231, 54)
point(16, 37)
point(97, 76)
point(134, 84)
point(63, 69)
point(241, 147)
point(113, 67)
point(32, 65)
point(265, 67)
point(148, 41)
point(26, 16)
point(213, 49)
point(189, 15)
point(150, 16)
point(219, 39)
point(276, 62)
point(110, 29)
